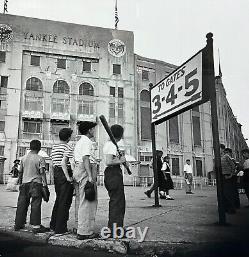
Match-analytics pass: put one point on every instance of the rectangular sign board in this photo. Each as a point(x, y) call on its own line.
point(181, 89)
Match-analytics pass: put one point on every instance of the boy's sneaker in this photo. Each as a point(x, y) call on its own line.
point(169, 198)
point(41, 229)
point(17, 228)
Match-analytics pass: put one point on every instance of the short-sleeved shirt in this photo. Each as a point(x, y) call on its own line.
point(188, 169)
point(82, 148)
point(32, 165)
point(110, 149)
point(59, 151)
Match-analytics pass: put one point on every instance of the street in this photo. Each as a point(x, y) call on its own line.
point(183, 226)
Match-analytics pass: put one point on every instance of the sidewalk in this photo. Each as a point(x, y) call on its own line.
point(180, 226)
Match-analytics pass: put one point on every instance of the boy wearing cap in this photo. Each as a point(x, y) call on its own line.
point(114, 179)
point(31, 179)
point(61, 154)
point(83, 172)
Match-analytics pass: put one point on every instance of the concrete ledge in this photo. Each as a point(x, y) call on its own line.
point(125, 246)
point(95, 244)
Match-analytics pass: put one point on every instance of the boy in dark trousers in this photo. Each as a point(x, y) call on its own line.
point(31, 179)
point(114, 179)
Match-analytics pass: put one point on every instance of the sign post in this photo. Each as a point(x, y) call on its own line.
point(209, 68)
point(154, 156)
point(190, 85)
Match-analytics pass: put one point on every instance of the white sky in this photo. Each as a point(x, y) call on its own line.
point(168, 30)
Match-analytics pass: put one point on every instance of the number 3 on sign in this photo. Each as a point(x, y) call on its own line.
point(156, 101)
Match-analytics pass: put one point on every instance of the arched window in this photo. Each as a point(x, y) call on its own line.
point(86, 89)
point(34, 84)
point(61, 87)
point(145, 96)
point(145, 115)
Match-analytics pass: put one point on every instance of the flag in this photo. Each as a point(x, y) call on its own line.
point(5, 6)
point(116, 16)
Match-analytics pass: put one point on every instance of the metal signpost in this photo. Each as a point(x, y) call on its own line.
point(189, 85)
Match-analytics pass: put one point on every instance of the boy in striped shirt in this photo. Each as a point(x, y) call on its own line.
point(61, 154)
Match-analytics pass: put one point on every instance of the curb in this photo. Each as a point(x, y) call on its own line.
point(147, 248)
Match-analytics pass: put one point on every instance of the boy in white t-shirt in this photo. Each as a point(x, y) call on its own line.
point(114, 179)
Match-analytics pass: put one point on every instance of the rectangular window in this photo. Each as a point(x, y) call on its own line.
point(61, 63)
point(33, 104)
point(141, 158)
point(120, 113)
point(112, 110)
point(174, 130)
point(145, 75)
point(4, 81)
point(175, 166)
point(148, 158)
point(87, 66)
point(196, 108)
point(56, 127)
point(2, 56)
point(3, 104)
point(86, 107)
point(196, 130)
point(21, 151)
point(199, 168)
point(112, 91)
point(33, 127)
point(60, 105)
point(1, 150)
point(35, 60)
point(145, 123)
point(120, 92)
point(2, 125)
point(116, 69)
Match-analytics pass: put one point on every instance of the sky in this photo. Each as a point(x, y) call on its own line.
point(171, 31)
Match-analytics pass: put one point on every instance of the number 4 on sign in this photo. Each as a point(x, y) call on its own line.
point(171, 95)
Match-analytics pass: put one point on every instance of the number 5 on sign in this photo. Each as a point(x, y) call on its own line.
point(178, 91)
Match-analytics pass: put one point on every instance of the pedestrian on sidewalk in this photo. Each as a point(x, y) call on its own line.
point(160, 175)
point(31, 179)
point(245, 154)
point(228, 170)
point(188, 175)
point(168, 180)
point(113, 179)
point(61, 154)
point(84, 174)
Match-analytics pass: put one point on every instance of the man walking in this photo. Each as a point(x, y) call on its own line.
point(188, 175)
point(228, 170)
point(160, 175)
point(61, 154)
point(31, 179)
point(84, 173)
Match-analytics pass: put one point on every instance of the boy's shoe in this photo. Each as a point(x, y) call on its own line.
point(169, 198)
point(17, 228)
point(85, 237)
point(162, 197)
point(148, 194)
point(41, 229)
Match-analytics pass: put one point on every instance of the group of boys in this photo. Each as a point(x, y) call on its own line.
point(72, 169)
